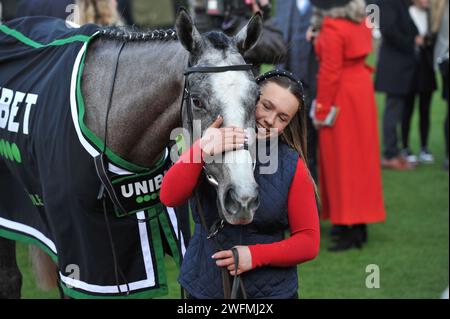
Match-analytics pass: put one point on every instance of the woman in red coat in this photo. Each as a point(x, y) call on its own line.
point(346, 116)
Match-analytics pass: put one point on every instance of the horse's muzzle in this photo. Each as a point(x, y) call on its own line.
point(241, 207)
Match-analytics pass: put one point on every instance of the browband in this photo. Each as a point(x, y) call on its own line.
point(218, 69)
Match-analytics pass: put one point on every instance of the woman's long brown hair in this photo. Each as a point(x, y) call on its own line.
point(295, 134)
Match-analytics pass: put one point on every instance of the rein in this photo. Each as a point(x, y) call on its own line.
point(217, 226)
point(102, 172)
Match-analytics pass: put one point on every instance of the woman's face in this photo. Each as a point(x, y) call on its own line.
point(275, 109)
point(422, 4)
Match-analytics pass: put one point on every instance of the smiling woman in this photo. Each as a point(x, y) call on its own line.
point(276, 108)
point(266, 260)
point(282, 106)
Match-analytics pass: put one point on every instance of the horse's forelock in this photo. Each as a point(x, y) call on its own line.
point(218, 40)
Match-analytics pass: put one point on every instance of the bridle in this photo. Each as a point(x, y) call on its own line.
point(219, 224)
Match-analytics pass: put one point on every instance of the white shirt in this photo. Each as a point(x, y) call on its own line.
point(420, 18)
point(302, 5)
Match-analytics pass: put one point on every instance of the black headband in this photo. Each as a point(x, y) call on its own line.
point(282, 73)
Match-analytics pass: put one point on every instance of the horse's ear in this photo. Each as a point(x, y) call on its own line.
point(187, 33)
point(250, 34)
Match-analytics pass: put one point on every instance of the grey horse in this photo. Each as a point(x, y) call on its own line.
point(149, 89)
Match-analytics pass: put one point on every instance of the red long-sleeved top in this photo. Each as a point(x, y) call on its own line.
point(303, 245)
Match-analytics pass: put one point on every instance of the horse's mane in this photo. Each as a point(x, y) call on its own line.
point(131, 34)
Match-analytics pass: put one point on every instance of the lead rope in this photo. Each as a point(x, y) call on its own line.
point(237, 281)
point(225, 281)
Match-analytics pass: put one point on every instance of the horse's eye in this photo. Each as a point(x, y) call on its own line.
point(197, 102)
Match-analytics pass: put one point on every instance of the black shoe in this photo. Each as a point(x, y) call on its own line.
point(337, 230)
point(347, 240)
point(362, 229)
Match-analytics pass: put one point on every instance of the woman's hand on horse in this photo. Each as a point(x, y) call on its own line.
point(217, 140)
point(225, 258)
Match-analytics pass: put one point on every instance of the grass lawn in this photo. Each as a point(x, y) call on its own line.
point(411, 249)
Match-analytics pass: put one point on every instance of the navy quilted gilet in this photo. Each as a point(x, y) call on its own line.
point(199, 274)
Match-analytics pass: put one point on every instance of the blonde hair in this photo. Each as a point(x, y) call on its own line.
point(437, 10)
point(102, 12)
point(354, 11)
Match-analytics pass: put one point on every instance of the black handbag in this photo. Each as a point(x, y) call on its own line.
point(442, 62)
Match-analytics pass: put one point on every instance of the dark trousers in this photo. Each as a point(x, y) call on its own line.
point(446, 131)
point(424, 117)
point(392, 119)
point(445, 84)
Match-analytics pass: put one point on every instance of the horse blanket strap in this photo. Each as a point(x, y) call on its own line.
point(49, 161)
point(102, 173)
point(134, 192)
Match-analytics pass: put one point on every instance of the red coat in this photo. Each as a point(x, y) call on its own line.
point(349, 151)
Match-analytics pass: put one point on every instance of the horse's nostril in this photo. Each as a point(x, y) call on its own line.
point(234, 204)
point(231, 202)
point(254, 203)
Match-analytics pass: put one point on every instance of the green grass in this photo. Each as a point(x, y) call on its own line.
point(411, 248)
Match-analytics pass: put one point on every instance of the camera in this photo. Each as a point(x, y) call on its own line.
point(241, 8)
point(228, 7)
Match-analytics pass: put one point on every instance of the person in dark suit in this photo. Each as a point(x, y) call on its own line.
point(395, 73)
point(270, 48)
point(59, 9)
point(294, 19)
point(424, 86)
point(125, 11)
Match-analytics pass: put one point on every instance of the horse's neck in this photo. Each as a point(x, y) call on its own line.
point(146, 100)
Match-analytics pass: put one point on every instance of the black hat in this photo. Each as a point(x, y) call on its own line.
point(328, 4)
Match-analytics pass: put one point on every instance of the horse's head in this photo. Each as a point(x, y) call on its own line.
point(231, 94)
